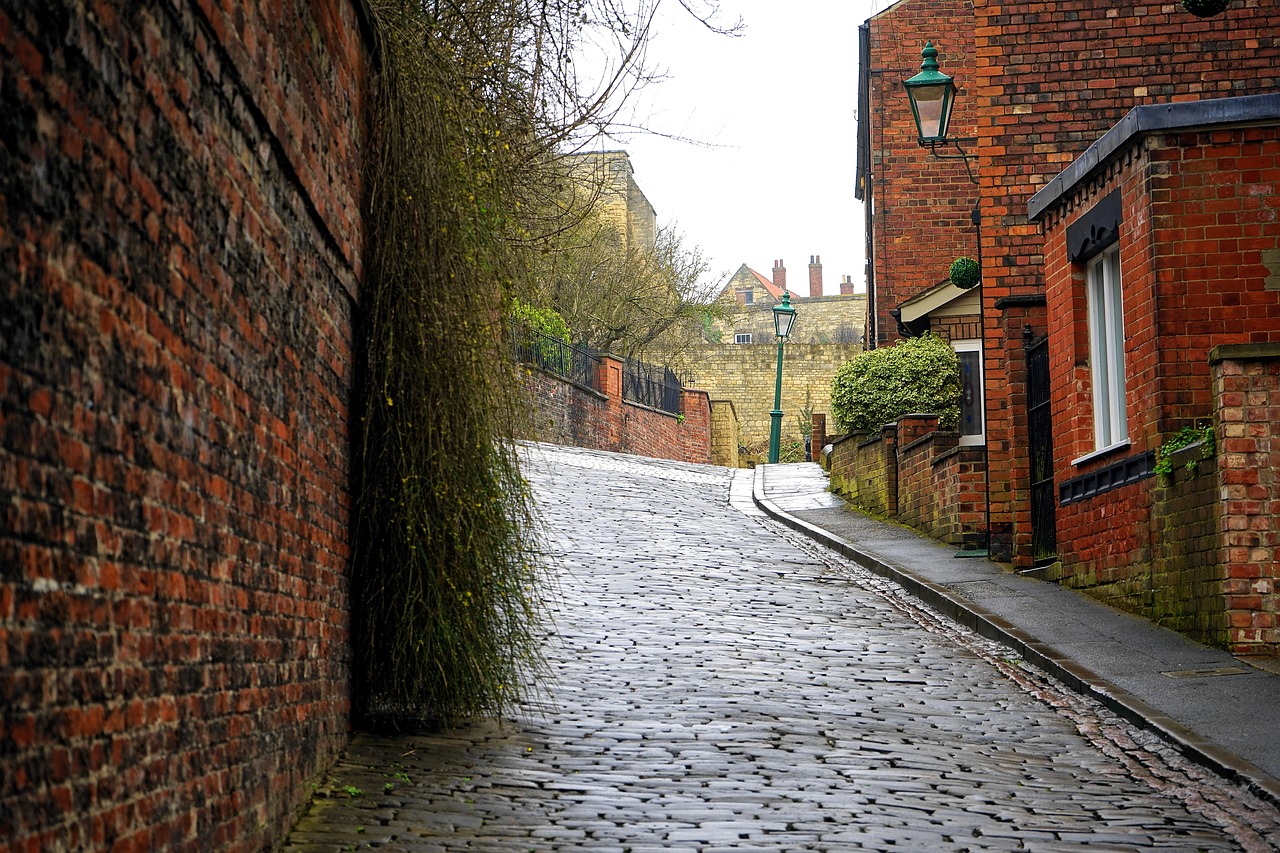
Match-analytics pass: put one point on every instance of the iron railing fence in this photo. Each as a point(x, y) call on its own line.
point(652, 386)
point(573, 362)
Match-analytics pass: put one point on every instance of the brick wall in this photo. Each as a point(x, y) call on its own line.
point(1051, 78)
point(864, 469)
point(922, 203)
point(566, 413)
point(747, 374)
point(1187, 573)
point(179, 241)
point(918, 475)
point(1246, 387)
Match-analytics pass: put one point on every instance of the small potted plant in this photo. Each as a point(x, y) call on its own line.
point(965, 273)
point(1205, 8)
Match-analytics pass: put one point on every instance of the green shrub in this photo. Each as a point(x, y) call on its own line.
point(545, 320)
point(965, 273)
point(879, 386)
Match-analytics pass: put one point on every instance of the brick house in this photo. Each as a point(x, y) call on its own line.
point(1162, 279)
point(1039, 83)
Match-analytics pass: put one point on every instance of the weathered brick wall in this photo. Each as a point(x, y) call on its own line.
point(864, 469)
point(1187, 573)
point(922, 203)
point(1246, 387)
point(747, 374)
point(919, 475)
point(565, 413)
point(180, 260)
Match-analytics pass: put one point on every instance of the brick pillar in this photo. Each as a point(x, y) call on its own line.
point(779, 275)
point(817, 435)
point(695, 430)
point(609, 383)
point(1246, 388)
point(815, 276)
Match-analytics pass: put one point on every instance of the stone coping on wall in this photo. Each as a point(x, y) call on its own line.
point(1152, 118)
point(1244, 352)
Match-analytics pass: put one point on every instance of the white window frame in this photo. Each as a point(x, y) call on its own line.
point(1106, 350)
point(742, 337)
point(974, 345)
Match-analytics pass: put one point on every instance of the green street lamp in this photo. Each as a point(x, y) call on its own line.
point(784, 317)
point(932, 95)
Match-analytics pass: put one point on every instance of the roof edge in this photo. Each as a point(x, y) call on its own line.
point(1152, 118)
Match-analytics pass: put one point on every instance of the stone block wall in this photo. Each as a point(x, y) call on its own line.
point(180, 253)
point(725, 434)
point(819, 320)
point(746, 375)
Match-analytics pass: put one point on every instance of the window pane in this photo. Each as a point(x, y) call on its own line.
point(970, 393)
point(1106, 349)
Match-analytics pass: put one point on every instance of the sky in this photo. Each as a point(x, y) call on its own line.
point(774, 110)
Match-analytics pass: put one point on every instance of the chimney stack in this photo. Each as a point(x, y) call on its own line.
point(779, 276)
point(815, 276)
point(846, 286)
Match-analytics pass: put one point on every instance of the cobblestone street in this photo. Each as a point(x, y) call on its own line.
point(720, 683)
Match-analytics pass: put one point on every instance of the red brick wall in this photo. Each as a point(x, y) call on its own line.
point(1052, 77)
point(569, 414)
point(865, 470)
point(916, 474)
point(922, 204)
point(179, 242)
point(1198, 211)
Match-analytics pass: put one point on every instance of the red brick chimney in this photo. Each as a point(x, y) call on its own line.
point(815, 276)
point(846, 286)
point(779, 275)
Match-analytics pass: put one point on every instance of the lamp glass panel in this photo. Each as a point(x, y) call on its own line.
point(782, 321)
point(929, 101)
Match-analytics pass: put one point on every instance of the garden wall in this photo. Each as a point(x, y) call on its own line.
point(564, 412)
point(916, 474)
point(179, 269)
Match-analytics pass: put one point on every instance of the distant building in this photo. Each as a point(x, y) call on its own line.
point(609, 180)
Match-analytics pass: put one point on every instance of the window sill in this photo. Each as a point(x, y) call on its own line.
point(1098, 454)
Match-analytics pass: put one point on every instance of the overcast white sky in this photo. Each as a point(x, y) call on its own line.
point(779, 104)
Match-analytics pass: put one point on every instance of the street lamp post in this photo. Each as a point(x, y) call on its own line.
point(932, 95)
point(784, 316)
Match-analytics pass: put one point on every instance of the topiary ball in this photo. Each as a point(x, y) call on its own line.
point(1205, 8)
point(965, 273)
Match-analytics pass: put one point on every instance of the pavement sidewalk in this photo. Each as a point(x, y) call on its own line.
point(1220, 710)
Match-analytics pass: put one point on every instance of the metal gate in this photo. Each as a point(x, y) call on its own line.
point(1044, 541)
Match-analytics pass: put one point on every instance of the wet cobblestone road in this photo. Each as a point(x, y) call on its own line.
point(721, 684)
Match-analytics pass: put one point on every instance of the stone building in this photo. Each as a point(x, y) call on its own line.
point(741, 363)
point(608, 180)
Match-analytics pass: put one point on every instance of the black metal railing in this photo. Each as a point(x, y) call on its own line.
point(575, 363)
point(652, 386)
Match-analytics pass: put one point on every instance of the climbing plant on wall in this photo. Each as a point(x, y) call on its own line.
point(446, 575)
